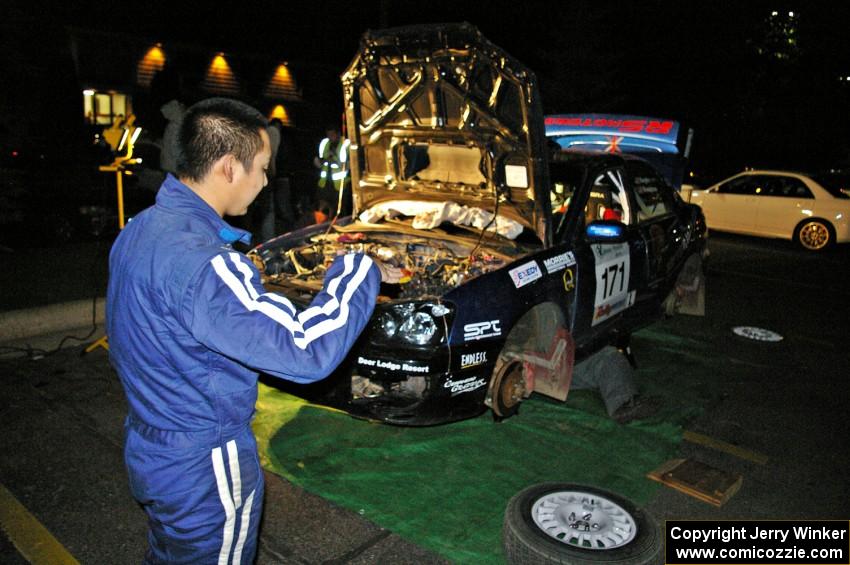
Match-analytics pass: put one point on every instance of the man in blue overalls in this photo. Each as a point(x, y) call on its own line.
point(190, 325)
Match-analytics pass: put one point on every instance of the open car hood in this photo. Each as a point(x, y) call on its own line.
point(437, 113)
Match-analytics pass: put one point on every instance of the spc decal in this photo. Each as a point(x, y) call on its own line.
point(481, 330)
point(464, 385)
point(526, 273)
point(468, 360)
point(612, 280)
point(559, 262)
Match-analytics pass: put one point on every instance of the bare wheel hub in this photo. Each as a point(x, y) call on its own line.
point(512, 389)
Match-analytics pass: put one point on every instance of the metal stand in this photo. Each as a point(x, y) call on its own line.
point(118, 167)
point(102, 342)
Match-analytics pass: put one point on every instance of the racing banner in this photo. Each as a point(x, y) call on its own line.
point(692, 542)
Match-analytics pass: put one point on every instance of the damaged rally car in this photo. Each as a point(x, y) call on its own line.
point(516, 257)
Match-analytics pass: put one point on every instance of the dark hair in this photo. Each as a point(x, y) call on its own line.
point(216, 127)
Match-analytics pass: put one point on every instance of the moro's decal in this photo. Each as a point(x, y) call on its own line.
point(559, 262)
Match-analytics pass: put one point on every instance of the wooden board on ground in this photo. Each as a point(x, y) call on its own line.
point(698, 479)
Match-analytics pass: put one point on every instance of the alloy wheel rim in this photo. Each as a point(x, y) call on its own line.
point(584, 520)
point(814, 235)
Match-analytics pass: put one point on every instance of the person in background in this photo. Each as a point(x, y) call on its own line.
point(319, 213)
point(263, 208)
point(334, 178)
point(284, 210)
point(190, 326)
point(173, 112)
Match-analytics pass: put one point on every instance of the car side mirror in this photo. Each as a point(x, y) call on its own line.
point(605, 231)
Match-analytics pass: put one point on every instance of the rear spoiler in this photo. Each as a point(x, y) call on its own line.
point(662, 142)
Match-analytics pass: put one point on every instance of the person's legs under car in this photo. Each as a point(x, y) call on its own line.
point(610, 372)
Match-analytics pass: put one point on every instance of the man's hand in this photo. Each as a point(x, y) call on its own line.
point(389, 274)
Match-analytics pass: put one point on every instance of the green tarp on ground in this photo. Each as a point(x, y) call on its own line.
point(446, 487)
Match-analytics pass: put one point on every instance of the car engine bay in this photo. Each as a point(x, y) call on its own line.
point(431, 265)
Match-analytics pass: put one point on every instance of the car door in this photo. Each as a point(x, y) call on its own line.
point(566, 181)
point(783, 202)
point(657, 224)
point(732, 205)
point(615, 265)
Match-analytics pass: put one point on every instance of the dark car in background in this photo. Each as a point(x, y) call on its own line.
point(519, 258)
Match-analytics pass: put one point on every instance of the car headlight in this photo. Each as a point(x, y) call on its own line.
point(416, 323)
point(388, 324)
point(418, 328)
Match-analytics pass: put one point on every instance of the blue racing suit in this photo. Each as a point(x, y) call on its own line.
point(189, 326)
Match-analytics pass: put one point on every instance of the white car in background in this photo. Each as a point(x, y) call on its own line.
point(778, 204)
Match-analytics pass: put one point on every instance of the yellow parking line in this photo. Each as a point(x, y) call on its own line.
point(719, 445)
point(29, 536)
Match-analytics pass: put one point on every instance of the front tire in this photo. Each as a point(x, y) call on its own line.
point(566, 523)
point(814, 234)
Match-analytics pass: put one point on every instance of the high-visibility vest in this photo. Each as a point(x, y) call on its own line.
point(334, 164)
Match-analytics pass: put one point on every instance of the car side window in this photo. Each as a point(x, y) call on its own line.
point(787, 187)
point(607, 200)
point(565, 178)
point(653, 196)
point(745, 185)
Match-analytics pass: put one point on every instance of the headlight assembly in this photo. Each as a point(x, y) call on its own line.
point(388, 324)
point(415, 323)
point(418, 328)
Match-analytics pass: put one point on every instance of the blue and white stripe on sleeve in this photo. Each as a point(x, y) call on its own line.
point(236, 316)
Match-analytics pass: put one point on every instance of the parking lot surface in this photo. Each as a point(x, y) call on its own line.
point(773, 412)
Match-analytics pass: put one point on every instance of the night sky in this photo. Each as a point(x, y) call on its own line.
point(759, 90)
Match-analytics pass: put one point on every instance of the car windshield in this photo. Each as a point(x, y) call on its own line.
point(565, 179)
point(837, 185)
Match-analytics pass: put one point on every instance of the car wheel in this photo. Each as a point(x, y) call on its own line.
point(569, 523)
point(509, 391)
point(814, 235)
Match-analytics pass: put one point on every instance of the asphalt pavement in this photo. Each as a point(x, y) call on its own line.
point(62, 420)
point(781, 428)
point(788, 416)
